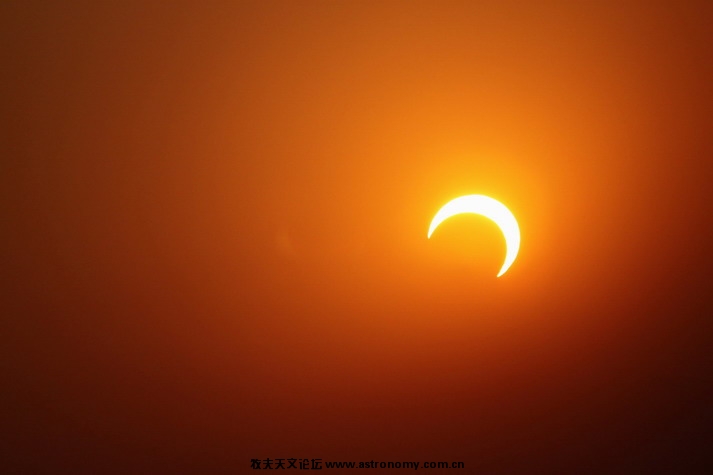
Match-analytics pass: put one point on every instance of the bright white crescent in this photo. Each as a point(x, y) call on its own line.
point(491, 209)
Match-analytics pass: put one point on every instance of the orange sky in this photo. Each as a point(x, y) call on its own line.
point(215, 216)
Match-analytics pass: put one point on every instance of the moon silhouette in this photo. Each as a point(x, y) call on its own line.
point(491, 209)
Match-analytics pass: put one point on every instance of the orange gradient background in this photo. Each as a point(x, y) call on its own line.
point(214, 234)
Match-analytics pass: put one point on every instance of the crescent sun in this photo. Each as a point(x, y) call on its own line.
point(491, 209)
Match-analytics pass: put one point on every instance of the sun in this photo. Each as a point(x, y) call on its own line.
point(491, 209)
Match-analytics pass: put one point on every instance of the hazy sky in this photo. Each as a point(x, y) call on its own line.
point(214, 221)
